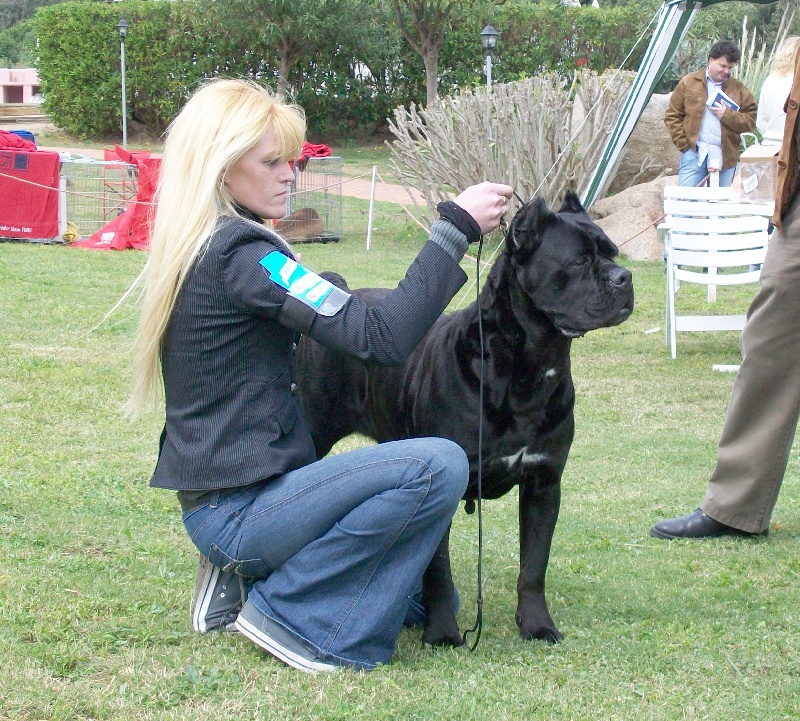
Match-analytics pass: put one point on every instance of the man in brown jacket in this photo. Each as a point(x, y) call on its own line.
point(762, 415)
point(708, 135)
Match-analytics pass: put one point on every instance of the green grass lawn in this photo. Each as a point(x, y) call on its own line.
point(98, 573)
point(359, 160)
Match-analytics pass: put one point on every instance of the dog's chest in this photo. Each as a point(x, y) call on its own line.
point(527, 438)
point(534, 383)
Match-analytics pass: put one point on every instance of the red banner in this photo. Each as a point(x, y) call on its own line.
point(28, 194)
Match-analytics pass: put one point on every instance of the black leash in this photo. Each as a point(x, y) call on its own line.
point(470, 505)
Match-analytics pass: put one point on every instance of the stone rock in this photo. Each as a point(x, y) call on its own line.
point(630, 218)
point(649, 147)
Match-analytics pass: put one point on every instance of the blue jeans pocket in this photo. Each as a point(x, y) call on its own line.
point(216, 530)
point(249, 567)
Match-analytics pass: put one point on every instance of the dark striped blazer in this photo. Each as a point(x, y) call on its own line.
point(232, 414)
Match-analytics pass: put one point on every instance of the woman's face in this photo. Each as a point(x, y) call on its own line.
point(260, 183)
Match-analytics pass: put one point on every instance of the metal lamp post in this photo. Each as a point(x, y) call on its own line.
point(122, 26)
point(489, 42)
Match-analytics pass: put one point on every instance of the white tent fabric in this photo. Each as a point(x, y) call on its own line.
point(674, 20)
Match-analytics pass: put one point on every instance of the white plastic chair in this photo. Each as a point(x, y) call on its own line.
point(705, 230)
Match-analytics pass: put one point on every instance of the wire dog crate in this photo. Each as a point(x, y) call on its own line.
point(97, 191)
point(315, 203)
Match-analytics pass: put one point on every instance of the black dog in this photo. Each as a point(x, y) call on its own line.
point(554, 281)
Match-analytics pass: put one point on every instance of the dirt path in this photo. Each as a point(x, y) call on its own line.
point(387, 192)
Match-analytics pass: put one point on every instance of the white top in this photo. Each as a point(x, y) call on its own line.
point(709, 140)
point(771, 118)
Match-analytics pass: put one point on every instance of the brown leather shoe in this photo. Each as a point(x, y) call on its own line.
point(696, 525)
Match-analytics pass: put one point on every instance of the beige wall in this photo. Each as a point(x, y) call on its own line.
point(18, 85)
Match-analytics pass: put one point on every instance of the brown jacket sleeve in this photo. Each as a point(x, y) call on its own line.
point(787, 180)
point(675, 115)
point(744, 120)
point(734, 123)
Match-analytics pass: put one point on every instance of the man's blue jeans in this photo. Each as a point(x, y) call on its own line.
point(691, 174)
point(337, 548)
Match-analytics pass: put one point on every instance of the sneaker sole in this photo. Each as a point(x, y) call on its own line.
point(279, 651)
point(201, 607)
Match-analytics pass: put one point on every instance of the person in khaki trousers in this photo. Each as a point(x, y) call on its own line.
point(762, 415)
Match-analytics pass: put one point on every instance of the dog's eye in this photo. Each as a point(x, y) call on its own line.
point(582, 260)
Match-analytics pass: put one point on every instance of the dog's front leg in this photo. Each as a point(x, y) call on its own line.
point(538, 513)
point(438, 596)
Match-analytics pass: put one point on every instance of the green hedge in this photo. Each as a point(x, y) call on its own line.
point(79, 63)
point(17, 44)
point(173, 46)
point(545, 37)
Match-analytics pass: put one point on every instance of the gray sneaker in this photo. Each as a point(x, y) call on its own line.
point(272, 637)
point(218, 598)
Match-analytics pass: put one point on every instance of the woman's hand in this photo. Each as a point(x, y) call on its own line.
point(486, 203)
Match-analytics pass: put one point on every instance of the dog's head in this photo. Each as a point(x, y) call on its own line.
point(563, 262)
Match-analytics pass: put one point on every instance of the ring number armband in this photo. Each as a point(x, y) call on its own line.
point(307, 295)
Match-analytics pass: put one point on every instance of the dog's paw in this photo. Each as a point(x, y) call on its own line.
point(531, 629)
point(438, 635)
point(551, 635)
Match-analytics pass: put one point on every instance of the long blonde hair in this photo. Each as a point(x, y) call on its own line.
point(783, 63)
point(220, 123)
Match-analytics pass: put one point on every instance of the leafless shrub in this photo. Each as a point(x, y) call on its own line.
point(531, 134)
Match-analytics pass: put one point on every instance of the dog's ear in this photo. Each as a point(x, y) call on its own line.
point(605, 246)
point(526, 229)
point(571, 204)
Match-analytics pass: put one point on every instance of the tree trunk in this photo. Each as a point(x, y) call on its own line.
point(432, 73)
point(289, 51)
point(285, 64)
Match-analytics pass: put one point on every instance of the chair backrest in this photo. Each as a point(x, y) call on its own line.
point(704, 231)
point(677, 200)
point(708, 230)
point(732, 243)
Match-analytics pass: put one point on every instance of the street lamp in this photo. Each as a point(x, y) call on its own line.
point(489, 42)
point(122, 26)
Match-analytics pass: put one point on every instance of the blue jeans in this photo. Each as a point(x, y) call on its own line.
point(691, 174)
point(337, 548)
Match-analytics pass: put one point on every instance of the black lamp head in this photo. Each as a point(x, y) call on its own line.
point(489, 39)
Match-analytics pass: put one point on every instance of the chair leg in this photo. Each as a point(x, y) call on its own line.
point(673, 341)
point(666, 325)
point(670, 315)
